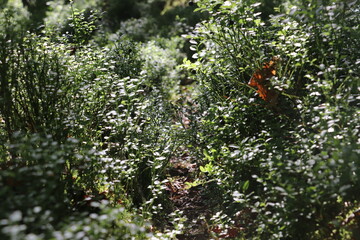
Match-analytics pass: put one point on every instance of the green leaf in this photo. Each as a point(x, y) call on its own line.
point(206, 154)
point(202, 169)
point(246, 185)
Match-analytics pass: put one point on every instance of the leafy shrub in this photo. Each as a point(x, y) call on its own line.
point(39, 185)
point(90, 120)
point(161, 58)
point(33, 83)
point(286, 165)
point(90, 123)
point(110, 223)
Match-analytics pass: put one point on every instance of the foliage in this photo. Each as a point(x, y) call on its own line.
point(36, 185)
point(80, 126)
point(32, 80)
point(95, 108)
point(291, 164)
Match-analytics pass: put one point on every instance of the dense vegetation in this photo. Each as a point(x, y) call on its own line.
point(118, 119)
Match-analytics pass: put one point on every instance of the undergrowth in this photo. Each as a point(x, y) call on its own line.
point(95, 108)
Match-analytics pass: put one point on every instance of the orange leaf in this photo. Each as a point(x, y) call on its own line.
point(260, 80)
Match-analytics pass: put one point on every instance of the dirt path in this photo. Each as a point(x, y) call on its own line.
point(187, 194)
point(189, 200)
point(196, 203)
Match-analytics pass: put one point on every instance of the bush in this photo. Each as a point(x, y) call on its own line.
point(80, 126)
point(33, 82)
point(91, 120)
point(289, 164)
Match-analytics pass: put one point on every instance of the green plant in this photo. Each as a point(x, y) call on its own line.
point(80, 126)
point(38, 185)
point(33, 85)
point(282, 162)
point(83, 26)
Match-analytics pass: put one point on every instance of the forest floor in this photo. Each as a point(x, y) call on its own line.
point(189, 193)
point(185, 192)
point(190, 200)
